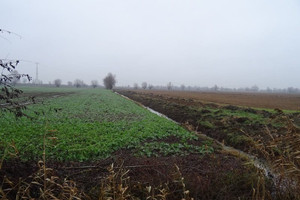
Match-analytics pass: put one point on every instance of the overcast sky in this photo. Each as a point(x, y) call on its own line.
point(233, 43)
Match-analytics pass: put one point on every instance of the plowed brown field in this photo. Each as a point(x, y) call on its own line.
point(256, 100)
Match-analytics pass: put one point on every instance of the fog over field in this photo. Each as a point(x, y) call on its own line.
point(232, 43)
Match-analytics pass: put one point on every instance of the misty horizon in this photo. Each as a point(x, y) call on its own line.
point(233, 44)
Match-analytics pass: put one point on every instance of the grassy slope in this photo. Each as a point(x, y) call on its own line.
point(91, 124)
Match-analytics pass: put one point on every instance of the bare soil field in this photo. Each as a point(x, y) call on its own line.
point(257, 100)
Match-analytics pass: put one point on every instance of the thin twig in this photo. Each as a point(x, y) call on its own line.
point(97, 167)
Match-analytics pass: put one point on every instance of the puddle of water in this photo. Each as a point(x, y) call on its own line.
point(149, 109)
point(160, 114)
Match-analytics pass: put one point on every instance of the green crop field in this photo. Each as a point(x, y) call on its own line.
point(91, 124)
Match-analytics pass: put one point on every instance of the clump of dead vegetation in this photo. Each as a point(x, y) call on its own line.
point(117, 184)
point(45, 184)
point(42, 184)
point(282, 151)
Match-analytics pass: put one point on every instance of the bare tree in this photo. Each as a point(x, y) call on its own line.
point(94, 83)
point(182, 87)
point(78, 83)
point(70, 83)
point(254, 88)
point(169, 86)
point(292, 90)
point(109, 81)
point(150, 87)
point(269, 90)
point(135, 86)
point(215, 88)
point(57, 82)
point(144, 85)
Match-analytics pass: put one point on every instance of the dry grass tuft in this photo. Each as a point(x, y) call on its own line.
point(282, 151)
point(44, 184)
point(259, 193)
point(117, 186)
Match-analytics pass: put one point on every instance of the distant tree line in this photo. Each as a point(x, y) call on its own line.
point(109, 82)
point(215, 88)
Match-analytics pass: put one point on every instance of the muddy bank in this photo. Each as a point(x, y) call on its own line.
point(215, 176)
point(235, 126)
point(269, 135)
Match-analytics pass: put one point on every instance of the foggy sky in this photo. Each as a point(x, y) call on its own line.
point(234, 43)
